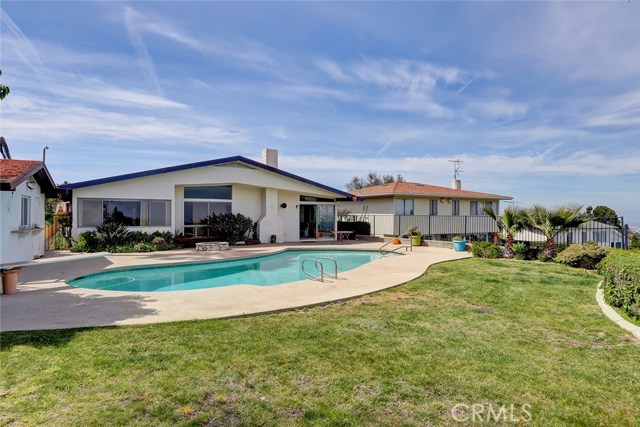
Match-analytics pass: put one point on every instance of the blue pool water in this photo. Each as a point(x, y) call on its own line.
point(265, 270)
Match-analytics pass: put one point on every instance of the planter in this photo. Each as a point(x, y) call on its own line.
point(415, 240)
point(10, 280)
point(459, 245)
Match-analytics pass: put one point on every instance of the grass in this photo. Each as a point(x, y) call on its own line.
point(490, 332)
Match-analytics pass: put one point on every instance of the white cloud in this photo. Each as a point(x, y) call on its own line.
point(144, 58)
point(333, 70)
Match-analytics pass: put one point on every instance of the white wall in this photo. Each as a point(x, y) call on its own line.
point(290, 215)
point(28, 244)
point(248, 195)
point(386, 205)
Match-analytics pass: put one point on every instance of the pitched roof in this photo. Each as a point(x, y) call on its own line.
point(426, 190)
point(15, 172)
point(10, 169)
point(214, 162)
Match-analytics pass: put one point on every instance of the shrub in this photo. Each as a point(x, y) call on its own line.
point(486, 250)
point(87, 242)
point(144, 247)
point(360, 228)
point(621, 272)
point(458, 238)
point(582, 256)
point(230, 227)
point(113, 234)
point(519, 251)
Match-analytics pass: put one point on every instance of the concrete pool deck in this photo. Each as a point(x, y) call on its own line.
point(44, 301)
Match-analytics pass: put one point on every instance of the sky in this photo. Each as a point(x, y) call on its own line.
point(540, 100)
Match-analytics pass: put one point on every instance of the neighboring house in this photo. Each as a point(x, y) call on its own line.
point(24, 187)
point(437, 211)
point(174, 199)
point(591, 231)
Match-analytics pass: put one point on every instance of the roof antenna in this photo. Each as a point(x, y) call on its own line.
point(456, 168)
point(44, 153)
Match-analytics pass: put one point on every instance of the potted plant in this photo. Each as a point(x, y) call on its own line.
point(10, 280)
point(415, 234)
point(459, 244)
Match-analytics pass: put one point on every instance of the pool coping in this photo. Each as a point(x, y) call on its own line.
point(45, 301)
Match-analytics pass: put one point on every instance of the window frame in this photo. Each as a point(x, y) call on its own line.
point(25, 212)
point(144, 211)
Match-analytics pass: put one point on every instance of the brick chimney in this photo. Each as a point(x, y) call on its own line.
point(270, 157)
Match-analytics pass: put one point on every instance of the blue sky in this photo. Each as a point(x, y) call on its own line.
point(540, 100)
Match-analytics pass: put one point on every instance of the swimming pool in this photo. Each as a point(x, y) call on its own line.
point(267, 270)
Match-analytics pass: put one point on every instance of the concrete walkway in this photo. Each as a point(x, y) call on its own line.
point(44, 301)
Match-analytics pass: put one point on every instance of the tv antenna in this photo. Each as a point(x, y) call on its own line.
point(456, 168)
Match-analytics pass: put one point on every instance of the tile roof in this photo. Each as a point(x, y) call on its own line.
point(417, 189)
point(15, 172)
point(10, 169)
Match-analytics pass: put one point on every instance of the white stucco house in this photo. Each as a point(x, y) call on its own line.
point(437, 211)
point(24, 187)
point(284, 205)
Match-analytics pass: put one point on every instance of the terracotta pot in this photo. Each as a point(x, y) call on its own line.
point(10, 280)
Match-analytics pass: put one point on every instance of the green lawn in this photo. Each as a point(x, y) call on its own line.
point(485, 332)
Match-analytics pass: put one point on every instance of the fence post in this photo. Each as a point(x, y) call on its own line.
point(465, 226)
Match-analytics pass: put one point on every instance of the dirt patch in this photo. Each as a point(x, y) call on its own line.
point(482, 309)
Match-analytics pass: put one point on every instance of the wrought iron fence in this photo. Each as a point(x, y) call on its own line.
point(483, 227)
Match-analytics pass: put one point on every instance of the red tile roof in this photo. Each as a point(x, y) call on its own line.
point(11, 169)
point(426, 190)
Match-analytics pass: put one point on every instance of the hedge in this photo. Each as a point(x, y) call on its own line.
point(621, 271)
point(360, 228)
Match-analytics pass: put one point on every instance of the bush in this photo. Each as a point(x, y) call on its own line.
point(230, 227)
point(360, 228)
point(621, 272)
point(87, 242)
point(582, 256)
point(519, 251)
point(144, 247)
point(486, 250)
point(113, 234)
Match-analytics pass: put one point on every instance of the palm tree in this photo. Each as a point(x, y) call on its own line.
point(511, 221)
point(553, 221)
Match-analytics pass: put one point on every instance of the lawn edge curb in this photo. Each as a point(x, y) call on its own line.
point(614, 316)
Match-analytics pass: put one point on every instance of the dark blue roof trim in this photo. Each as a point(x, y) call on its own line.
point(213, 162)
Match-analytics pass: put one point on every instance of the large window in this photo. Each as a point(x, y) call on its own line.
point(134, 213)
point(474, 208)
point(25, 212)
point(433, 207)
point(404, 206)
point(202, 201)
point(455, 207)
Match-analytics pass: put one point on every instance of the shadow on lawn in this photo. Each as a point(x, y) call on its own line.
point(38, 339)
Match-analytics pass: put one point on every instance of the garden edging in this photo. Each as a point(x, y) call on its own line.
point(614, 316)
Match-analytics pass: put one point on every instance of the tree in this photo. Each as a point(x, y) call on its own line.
point(606, 215)
point(4, 90)
point(552, 221)
point(371, 180)
point(4, 148)
point(511, 221)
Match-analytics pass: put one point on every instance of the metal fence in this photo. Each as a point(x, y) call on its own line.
point(483, 227)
